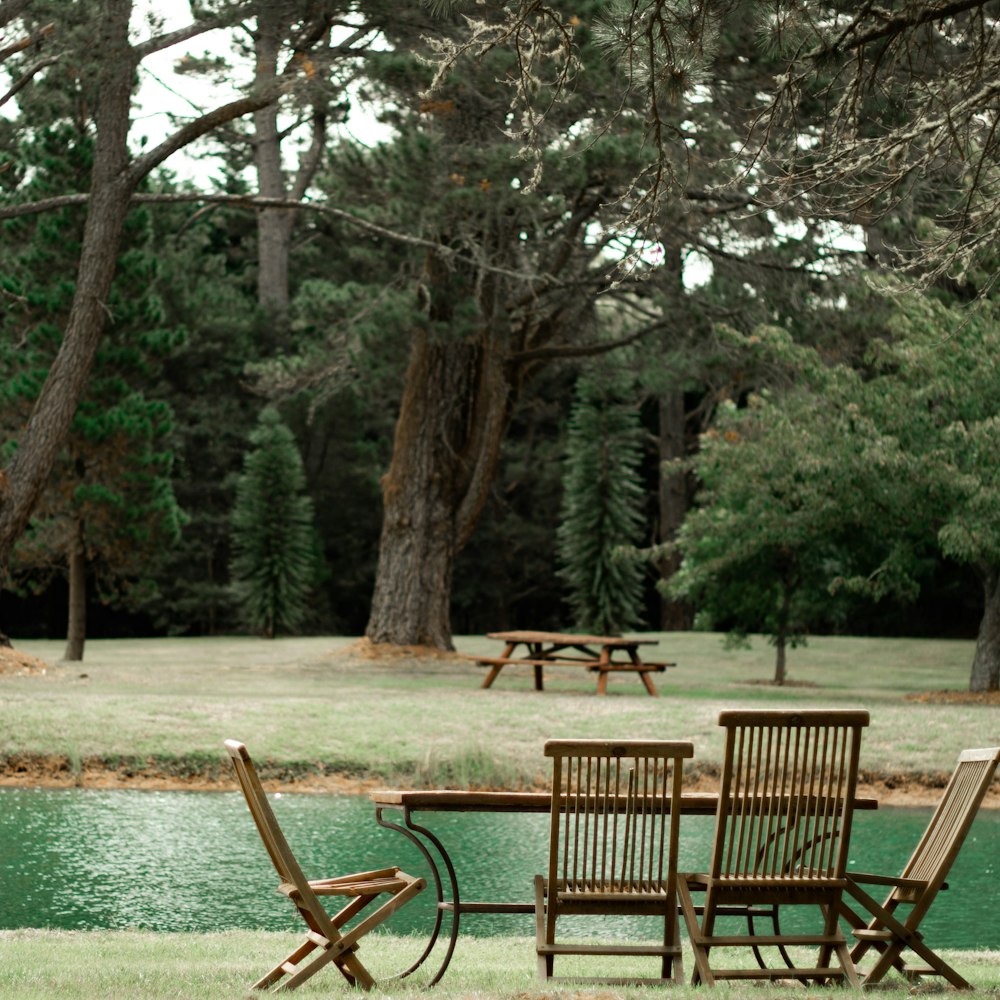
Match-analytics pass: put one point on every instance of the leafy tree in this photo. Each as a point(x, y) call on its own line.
point(205, 281)
point(773, 527)
point(859, 475)
point(274, 558)
point(682, 200)
point(602, 508)
point(507, 279)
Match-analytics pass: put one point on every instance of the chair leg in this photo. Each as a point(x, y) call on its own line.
point(891, 952)
point(702, 972)
point(344, 958)
point(672, 966)
point(838, 947)
point(545, 961)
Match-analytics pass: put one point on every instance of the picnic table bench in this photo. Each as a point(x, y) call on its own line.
point(593, 652)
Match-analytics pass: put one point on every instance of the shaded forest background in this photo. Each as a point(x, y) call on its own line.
point(222, 309)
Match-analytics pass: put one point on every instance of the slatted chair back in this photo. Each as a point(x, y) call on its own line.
point(942, 840)
point(288, 869)
point(615, 817)
point(786, 795)
point(614, 822)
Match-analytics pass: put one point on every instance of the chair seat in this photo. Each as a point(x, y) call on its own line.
point(784, 883)
point(349, 887)
point(616, 890)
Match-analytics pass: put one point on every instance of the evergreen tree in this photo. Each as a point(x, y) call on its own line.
point(107, 513)
point(602, 509)
point(273, 566)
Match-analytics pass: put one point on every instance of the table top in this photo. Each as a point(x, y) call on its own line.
point(571, 639)
point(455, 800)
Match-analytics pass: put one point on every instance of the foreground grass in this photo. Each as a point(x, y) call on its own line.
point(312, 706)
point(94, 965)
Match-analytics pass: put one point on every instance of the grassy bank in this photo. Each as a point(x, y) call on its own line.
point(105, 965)
point(317, 706)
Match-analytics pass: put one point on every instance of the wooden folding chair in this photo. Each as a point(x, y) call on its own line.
point(612, 845)
point(327, 931)
point(782, 830)
point(921, 879)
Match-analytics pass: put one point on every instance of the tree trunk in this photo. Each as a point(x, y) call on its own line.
point(780, 646)
point(675, 615)
point(985, 674)
point(453, 416)
point(76, 626)
point(111, 190)
point(274, 225)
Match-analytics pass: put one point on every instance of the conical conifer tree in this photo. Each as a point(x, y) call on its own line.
point(273, 565)
point(602, 510)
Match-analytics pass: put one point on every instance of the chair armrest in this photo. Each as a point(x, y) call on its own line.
point(893, 880)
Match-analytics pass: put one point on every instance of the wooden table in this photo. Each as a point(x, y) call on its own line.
point(603, 654)
point(449, 898)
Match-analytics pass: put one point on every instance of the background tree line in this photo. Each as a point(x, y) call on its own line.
point(438, 319)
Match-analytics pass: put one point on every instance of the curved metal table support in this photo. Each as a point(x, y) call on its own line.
point(413, 832)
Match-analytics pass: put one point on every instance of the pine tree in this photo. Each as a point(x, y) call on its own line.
point(273, 566)
point(107, 514)
point(602, 509)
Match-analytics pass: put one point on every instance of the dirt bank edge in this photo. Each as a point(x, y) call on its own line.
point(210, 774)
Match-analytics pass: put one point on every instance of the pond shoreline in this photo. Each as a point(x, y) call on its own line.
point(55, 771)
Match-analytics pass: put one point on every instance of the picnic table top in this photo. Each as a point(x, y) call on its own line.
point(570, 639)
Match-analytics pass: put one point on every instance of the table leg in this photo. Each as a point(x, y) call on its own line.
point(633, 654)
point(497, 667)
point(648, 681)
point(536, 652)
point(603, 662)
point(411, 830)
point(492, 675)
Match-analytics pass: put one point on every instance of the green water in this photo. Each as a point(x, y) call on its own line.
point(175, 861)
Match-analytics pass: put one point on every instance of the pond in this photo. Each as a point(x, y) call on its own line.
point(192, 861)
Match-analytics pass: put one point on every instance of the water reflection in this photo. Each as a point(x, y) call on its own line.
point(183, 861)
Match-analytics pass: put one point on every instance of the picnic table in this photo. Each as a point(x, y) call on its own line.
point(603, 654)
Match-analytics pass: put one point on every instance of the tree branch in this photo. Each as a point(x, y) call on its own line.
point(893, 26)
point(27, 76)
point(554, 352)
point(160, 42)
point(25, 43)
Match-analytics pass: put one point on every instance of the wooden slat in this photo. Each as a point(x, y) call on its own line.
point(607, 949)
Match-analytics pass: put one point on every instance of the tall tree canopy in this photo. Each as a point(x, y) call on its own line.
point(879, 115)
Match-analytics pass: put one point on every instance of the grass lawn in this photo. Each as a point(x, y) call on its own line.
point(112, 965)
point(315, 707)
